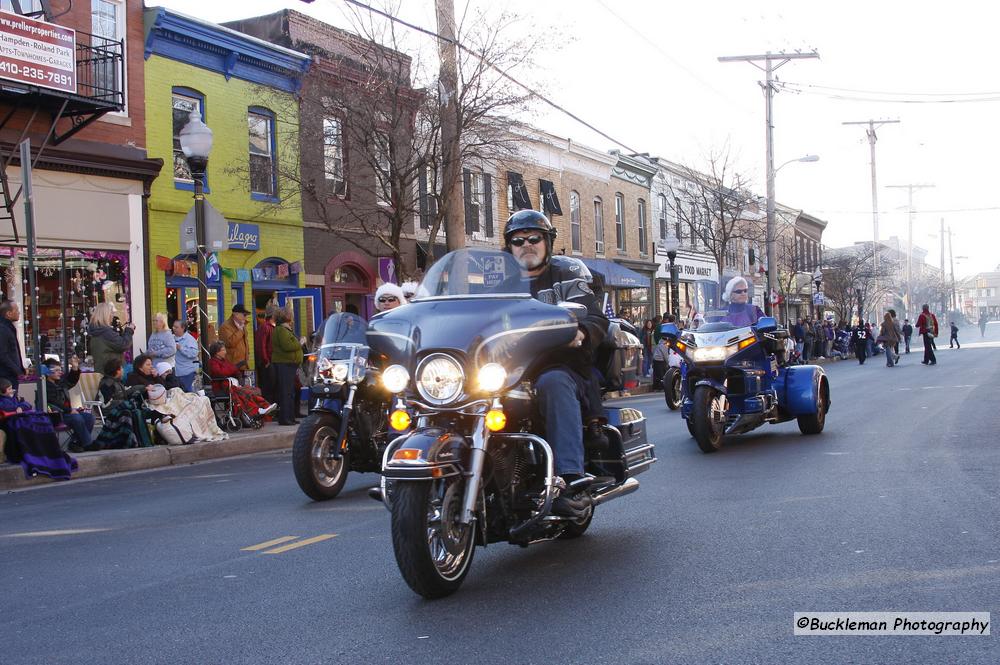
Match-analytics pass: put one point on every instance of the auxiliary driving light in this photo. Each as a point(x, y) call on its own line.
point(495, 420)
point(399, 420)
point(492, 377)
point(395, 378)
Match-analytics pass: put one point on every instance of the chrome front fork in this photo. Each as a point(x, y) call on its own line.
point(474, 476)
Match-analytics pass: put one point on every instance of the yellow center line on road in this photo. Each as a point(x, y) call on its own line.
point(270, 543)
point(301, 543)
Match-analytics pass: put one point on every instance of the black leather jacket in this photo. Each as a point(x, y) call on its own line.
point(567, 279)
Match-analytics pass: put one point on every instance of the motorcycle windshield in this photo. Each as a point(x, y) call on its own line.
point(341, 352)
point(475, 306)
point(736, 316)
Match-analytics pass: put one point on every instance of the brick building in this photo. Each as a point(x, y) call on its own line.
point(85, 119)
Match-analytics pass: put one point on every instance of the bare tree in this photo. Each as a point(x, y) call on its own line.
point(718, 207)
point(850, 281)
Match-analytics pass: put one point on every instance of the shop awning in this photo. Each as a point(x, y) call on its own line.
point(617, 275)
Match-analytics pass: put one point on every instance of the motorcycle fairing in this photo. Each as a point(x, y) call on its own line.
point(441, 454)
point(798, 388)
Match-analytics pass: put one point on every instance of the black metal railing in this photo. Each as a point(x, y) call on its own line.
point(100, 69)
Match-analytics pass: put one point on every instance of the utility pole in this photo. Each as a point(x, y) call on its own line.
point(872, 138)
point(909, 242)
point(951, 260)
point(944, 291)
point(451, 168)
point(772, 61)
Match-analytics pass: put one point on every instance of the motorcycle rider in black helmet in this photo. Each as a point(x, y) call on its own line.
point(567, 389)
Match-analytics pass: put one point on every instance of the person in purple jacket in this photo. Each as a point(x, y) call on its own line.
point(741, 311)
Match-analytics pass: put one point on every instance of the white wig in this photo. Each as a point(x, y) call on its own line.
point(389, 289)
point(733, 283)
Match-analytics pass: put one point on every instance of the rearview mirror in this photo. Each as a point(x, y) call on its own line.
point(766, 324)
point(670, 330)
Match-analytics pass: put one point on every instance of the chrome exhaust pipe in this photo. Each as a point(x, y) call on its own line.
point(630, 485)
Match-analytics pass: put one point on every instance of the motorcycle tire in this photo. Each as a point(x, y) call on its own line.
point(430, 574)
point(318, 477)
point(813, 423)
point(672, 388)
point(690, 427)
point(707, 432)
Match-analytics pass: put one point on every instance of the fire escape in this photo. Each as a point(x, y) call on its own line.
point(100, 89)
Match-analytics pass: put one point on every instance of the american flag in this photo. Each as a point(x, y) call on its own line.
point(608, 311)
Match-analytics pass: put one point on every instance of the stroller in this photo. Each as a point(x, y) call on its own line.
point(841, 344)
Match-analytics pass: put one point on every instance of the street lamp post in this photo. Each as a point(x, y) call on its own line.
point(818, 281)
point(671, 244)
point(770, 231)
point(196, 144)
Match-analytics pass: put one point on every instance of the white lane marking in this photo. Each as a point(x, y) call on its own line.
point(835, 453)
point(58, 532)
point(858, 551)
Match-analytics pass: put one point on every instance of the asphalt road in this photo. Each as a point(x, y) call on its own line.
point(893, 507)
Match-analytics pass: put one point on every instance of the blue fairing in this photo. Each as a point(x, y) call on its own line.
point(798, 387)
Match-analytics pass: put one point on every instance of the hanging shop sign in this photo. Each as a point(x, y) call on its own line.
point(690, 269)
point(244, 236)
point(37, 53)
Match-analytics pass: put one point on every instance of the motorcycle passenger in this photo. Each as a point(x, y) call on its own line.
point(389, 296)
point(567, 388)
point(742, 312)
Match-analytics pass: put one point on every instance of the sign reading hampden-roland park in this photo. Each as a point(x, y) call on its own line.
point(37, 53)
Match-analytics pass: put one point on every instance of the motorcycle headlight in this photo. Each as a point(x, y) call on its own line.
point(491, 377)
point(395, 378)
point(708, 354)
point(339, 372)
point(439, 378)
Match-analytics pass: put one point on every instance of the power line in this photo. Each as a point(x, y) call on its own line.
point(495, 68)
point(887, 92)
point(788, 87)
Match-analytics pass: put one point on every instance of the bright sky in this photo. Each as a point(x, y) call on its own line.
point(646, 72)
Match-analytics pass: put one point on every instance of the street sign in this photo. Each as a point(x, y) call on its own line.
point(34, 52)
point(216, 231)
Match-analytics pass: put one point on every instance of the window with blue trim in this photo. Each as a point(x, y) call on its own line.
point(263, 171)
point(184, 101)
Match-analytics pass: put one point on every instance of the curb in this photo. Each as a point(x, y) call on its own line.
point(106, 462)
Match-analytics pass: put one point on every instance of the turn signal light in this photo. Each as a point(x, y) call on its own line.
point(680, 346)
point(406, 454)
point(745, 343)
point(399, 420)
point(495, 420)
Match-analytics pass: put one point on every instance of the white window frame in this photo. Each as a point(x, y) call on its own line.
point(333, 152)
point(643, 231)
point(200, 107)
point(121, 29)
point(269, 123)
point(477, 186)
point(621, 242)
point(598, 225)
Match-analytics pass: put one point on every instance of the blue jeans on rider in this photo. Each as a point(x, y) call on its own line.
point(559, 400)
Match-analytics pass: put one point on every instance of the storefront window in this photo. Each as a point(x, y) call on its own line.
point(68, 284)
point(634, 305)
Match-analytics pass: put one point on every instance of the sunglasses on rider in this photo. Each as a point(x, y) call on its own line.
point(740, 290)
point(385, 299)
point(531, 240)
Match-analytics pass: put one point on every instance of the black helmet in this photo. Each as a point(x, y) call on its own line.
point(523, 220)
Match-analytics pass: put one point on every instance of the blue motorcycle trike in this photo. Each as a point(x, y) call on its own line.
point(734, 380)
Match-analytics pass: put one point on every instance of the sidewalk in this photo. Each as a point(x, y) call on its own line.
point(105, 462)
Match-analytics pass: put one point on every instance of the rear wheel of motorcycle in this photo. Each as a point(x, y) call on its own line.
point(672, 388)
point(708, 412)
point(320, 477)
point(813, 423)
point(433, 549)
point(690, 427)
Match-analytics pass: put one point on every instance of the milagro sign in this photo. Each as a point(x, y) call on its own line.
point(244, 236)
point(37, 53)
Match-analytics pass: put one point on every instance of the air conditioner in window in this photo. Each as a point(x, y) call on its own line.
point(599, 247)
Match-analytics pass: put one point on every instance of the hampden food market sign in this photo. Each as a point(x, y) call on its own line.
point(34, 52)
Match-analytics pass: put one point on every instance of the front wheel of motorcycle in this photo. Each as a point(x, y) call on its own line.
point(708, 418)
point(320, 476)
point(433, 548)
point(672, 388)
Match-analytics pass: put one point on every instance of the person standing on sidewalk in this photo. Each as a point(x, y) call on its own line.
point(262, 348)
point(899, 335)
point(162, 347)
point(646, 339)
point(889, 337)
point(11, 360)
point(186, 360)
point(927, 325)
point(907, 333)
point(954, 336)
point(233, 333)
point(286, 356)
point(808, 337)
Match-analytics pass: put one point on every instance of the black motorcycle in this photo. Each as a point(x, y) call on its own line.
point(474, 467)
point(346, 429)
